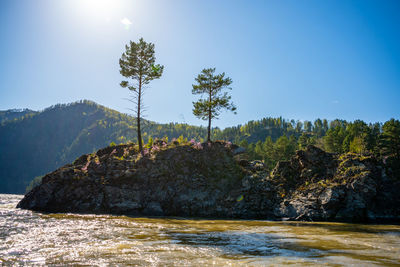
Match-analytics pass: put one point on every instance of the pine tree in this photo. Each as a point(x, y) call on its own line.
point(258, 149)
point(211, 86)
point(244, 143)
point(281, 148)
point(308, 126)
point(359, 144)
point(390, 139)
point(303, 141)
point(269, 152)
point(138, 64)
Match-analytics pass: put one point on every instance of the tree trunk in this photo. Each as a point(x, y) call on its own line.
point(139, 134)
point(209, 120)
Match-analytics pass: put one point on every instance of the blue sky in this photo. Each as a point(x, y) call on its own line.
point(297, 59)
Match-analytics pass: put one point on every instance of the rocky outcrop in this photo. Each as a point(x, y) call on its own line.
point(215, 180)
point(322, 186)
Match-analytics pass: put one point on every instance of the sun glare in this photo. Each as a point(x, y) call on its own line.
point(101, 9)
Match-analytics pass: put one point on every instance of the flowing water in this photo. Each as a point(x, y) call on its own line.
point(31, 238)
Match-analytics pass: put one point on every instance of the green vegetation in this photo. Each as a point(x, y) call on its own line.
point(211, 86)
point(138, 64)
point(338, 136)
point(15, 114)
point(113, 144)
point(389, 143)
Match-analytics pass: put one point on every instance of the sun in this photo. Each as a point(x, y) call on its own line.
point(103, 9)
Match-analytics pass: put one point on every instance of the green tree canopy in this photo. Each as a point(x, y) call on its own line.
point(390, 138)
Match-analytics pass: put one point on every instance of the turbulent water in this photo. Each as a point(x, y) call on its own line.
point(30, 238)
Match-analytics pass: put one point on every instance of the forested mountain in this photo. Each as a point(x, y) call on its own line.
point(34, 143)
point(13, 114)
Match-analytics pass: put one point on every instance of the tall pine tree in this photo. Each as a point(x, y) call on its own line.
point(138, 64)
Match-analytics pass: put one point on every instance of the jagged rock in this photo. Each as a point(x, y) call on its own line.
point(208, 180)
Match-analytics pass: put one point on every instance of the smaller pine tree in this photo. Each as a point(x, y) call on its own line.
point(215, 100)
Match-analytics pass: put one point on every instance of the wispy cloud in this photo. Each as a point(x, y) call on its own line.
point(335, 102)
point(126, 22)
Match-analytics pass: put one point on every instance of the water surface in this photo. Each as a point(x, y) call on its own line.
point(31, 238)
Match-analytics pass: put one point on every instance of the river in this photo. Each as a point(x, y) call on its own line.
point(31, 238)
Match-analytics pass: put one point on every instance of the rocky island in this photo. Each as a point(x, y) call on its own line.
point(215, 180)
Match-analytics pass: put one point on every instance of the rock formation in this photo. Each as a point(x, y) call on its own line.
point(215, 180)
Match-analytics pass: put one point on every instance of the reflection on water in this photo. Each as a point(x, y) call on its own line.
point(40, 239)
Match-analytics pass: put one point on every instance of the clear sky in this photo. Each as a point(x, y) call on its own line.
point(297, 59)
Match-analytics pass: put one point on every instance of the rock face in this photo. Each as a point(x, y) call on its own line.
point(215, 180)
point(322, 186)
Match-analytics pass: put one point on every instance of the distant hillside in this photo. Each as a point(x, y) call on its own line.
point(13, 114)
point(35, 143)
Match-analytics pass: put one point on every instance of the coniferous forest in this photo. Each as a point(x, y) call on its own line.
point(33, 143)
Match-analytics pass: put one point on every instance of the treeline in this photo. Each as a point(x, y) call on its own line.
point(338, 136)
point(15, 114)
